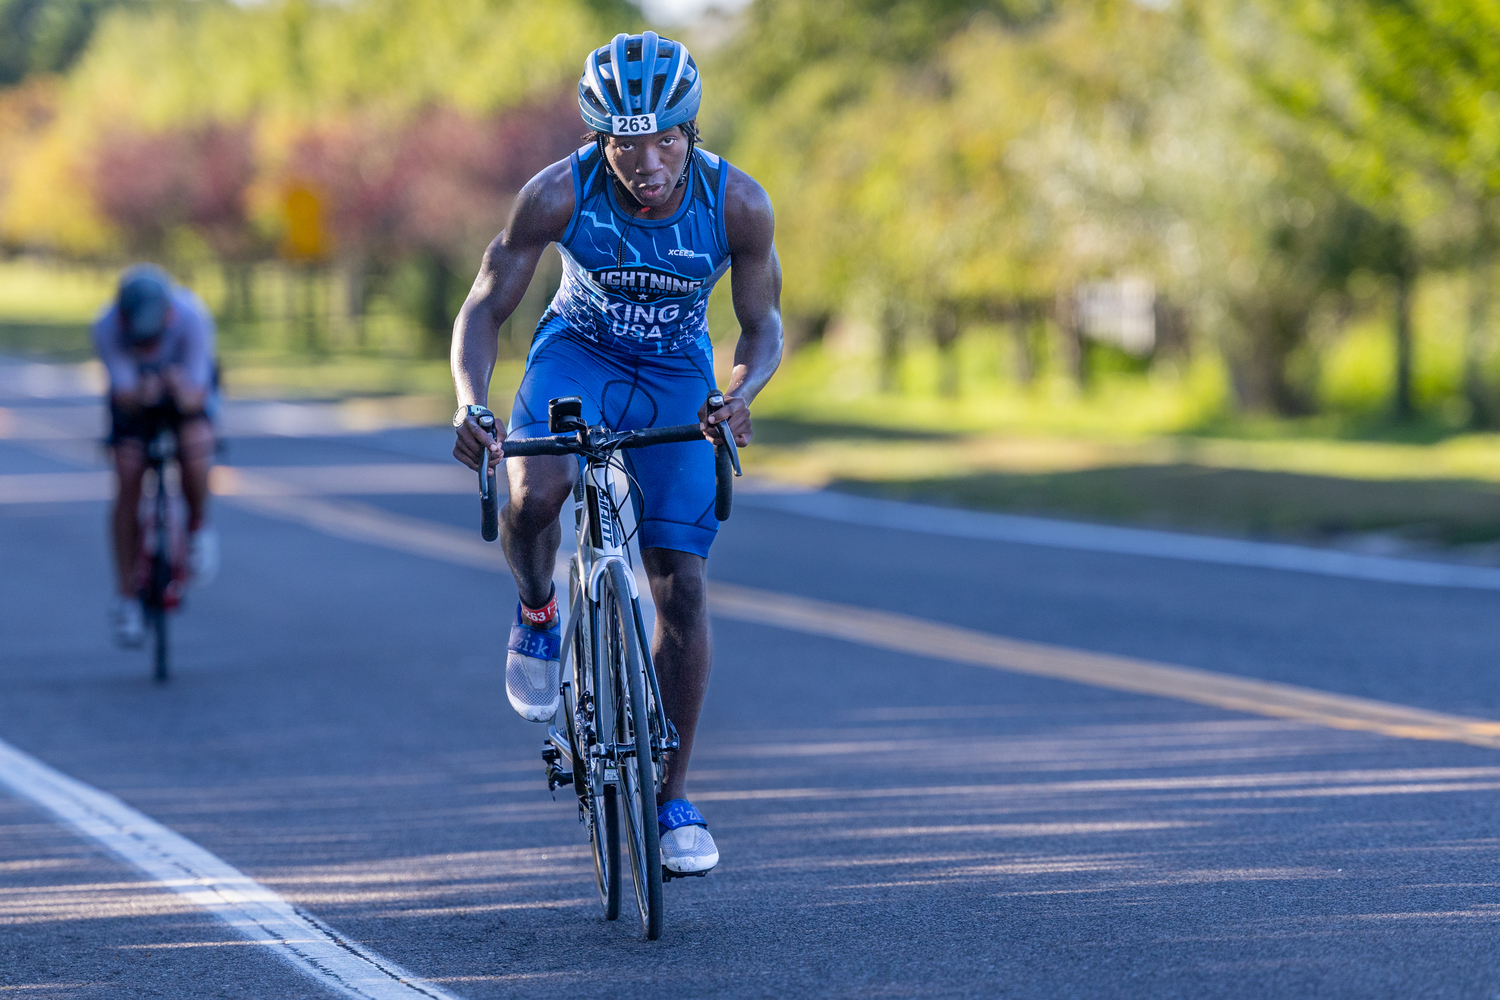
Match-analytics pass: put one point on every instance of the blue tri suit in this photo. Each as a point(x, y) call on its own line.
point(628, 332)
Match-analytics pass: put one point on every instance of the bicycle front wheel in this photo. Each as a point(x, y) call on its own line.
point(596, 796)
point(585, 708)
point(637, 769)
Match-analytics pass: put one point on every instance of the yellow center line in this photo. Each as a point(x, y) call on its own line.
point(933, 640)
point(927, 639)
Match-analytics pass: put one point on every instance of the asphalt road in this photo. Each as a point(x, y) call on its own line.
point(890, 825)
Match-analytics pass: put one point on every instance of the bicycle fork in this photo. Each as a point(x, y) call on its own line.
point(601, 541)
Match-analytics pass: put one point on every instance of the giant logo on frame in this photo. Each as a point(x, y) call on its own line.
point(645, 284)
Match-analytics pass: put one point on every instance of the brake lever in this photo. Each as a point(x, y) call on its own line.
point(716, 402)
point(734, 451)
point(486, 423)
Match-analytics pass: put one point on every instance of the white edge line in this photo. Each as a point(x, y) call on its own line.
point(173, 862)
point(903, 516)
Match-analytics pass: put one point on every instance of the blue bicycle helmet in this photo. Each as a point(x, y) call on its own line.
point(639, 84)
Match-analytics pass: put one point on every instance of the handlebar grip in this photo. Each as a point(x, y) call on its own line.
point(724, 463)
point(526, 447)
point(723, 482)
point(489, 510)
point(489, 502)
point(663, 435)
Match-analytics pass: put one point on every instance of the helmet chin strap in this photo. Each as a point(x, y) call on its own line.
point(687, 166)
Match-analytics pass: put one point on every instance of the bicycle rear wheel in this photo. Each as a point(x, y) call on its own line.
point(159, 631)
point(156, 601)
point(637, 770)
point(159, 574)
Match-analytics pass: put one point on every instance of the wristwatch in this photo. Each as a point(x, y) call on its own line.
point(472, 410)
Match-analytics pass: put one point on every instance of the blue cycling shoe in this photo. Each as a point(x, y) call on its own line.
point(686, 846)
point(533, 675)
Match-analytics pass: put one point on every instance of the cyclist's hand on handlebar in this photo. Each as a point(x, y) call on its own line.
point(190, 398)
point(735, 411)
point(151, 389)
point(473, 440)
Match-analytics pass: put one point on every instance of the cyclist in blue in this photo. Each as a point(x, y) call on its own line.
point(646, 223)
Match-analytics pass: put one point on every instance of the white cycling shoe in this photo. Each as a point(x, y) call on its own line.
point(203, 555)
point(533, 673)
point(130, 623)
point(687, 848)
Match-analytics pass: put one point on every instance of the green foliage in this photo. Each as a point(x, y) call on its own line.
point(1400, 97)
point(1013, 161)
point(782, 39)
point(946, 172)
point(219, 60)
point(1400, 101)
point(47, 36)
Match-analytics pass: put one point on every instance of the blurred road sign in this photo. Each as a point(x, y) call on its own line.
point(302, 211)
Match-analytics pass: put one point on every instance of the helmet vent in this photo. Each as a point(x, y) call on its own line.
point(636, 76)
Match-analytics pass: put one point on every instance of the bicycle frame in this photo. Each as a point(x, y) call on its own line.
point(611, 728)
point(601, 541)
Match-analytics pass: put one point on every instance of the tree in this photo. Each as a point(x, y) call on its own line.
point(149, 184)
point(1401, 100)
point(432, 188)
point(268, 74)
point(47, 36)
point(995, 175)
point(141, 183)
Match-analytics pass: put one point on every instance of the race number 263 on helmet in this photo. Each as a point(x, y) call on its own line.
point(639, 84)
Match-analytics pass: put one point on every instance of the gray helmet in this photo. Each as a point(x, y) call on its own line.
point(145, 298)
point(639, 84)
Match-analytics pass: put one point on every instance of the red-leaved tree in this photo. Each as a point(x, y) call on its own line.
point(149, 183)
point(432, 189)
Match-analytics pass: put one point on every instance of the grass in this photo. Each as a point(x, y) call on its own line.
point(1155, 451)
point(1210, 486)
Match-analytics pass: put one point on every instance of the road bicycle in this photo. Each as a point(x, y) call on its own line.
point(614, 730)
point(161, 569)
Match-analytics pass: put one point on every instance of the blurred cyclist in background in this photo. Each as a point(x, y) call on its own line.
point(156, 340)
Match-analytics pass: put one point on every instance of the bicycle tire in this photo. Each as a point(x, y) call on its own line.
point(723, 483)
point(489, 510)
point(607, 855)
point(597, 801)
point(161, 579)
point(638, 772)
point(159, 627)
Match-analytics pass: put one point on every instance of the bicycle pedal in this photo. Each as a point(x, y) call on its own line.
point(668, 875)
point(556, 776)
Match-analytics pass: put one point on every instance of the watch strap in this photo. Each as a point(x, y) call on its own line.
point(472, 410)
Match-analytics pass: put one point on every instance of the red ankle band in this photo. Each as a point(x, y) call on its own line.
point(540, 616)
